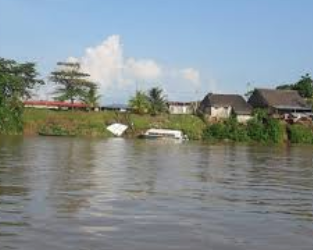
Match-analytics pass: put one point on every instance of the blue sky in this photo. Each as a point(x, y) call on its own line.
point(188, 47)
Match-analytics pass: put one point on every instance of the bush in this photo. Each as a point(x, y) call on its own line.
point(229, 129)
point(214, 131)
point(275, 131)
point(10, 118)
point(256, 130)
point(300, 134)
point(260, 129)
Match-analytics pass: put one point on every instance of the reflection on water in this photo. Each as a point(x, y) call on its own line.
point(67, 193)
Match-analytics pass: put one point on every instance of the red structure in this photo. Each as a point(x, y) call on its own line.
point(55, 105)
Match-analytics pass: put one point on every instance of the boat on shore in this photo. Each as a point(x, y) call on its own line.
point(163, 134)
point(117, 129)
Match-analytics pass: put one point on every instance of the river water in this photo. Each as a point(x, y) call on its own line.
point(83, 194)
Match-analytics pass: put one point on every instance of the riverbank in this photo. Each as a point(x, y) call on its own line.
point(261, 129)
point(93, 124)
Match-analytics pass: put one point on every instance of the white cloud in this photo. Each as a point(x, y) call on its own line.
point(191, 75)
point(108, 66)
point(144, 69)
point(104, 62)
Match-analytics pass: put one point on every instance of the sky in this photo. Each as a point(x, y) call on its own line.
point(186, 47)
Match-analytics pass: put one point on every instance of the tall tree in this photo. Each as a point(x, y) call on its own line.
point(140, 102)
point(17, 80)
point(157, 101)
point(304, 86)
point(72, 83)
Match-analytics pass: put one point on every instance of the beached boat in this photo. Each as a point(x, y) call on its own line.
point(163, 134)
point(117, 129)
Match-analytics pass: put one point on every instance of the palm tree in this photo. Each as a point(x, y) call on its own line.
point(157, 101)
point(139, 103)
point(90, 97)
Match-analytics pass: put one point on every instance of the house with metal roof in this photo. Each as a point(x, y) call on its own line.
point(279, 101)
point(222, 106)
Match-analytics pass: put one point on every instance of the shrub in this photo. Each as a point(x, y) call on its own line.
point(256, 130)
point(261, 129)
point(229, 129)
point(275, 131)
point(300, 134)
point(10, 118)
point(214, 131)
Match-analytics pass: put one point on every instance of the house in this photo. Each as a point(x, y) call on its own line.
point(179, 108)
point(222, 106)
point(279, 102)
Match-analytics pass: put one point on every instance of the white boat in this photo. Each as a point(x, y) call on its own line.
point(163, 134)
point(117, 129)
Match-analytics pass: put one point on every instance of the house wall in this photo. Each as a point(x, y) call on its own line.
point(220, 112)
point(243, 118)
point(180, 109)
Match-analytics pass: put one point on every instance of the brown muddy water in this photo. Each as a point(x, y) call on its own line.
point(83, 194)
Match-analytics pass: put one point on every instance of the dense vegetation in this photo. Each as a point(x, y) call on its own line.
point(154, 102)
point(300, 134)
point(261, 128)
point(17, 80)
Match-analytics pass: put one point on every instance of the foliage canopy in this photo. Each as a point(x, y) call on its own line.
point(17, 80)
point(72, 83)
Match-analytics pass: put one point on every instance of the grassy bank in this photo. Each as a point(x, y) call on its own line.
point(76, 123)
point(261, 129)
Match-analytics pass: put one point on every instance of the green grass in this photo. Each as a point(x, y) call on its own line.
point(79, 123)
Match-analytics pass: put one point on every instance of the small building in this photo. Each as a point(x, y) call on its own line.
point(279, 102)
point(222, 106)
point(179, 108)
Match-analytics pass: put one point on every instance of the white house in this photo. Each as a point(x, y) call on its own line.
point(180, 108)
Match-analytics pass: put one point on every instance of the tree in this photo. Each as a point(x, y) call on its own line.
point(73, 84)
point(91, 98)
point(17, 80)
point(140, 102)
point(285, 87)
point(304, 86)
point(157, 101)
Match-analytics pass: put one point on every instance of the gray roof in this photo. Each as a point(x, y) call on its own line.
point(283, 99)
point(116, 106)
point(237, 102)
